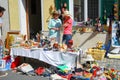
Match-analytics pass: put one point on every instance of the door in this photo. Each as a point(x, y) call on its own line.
point(33, 17)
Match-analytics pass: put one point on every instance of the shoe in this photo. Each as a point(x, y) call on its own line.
point(106, 56)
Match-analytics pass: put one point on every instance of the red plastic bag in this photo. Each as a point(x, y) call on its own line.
point(40, 70)
point(7, 59)
point(67, 76)
point(15, 63)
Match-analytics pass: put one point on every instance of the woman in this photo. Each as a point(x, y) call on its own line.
point(67, 25)
point(63, 9)
point(54, 27)
point(1, 21)
point(2, 9)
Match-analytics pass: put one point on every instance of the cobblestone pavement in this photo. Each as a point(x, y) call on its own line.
point(106, 63)
point(110, 63)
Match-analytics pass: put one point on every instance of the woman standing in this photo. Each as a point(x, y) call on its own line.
point(2, 9)
point(54, 27)
point(67, 25)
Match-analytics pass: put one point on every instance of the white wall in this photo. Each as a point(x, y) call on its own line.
point(71, 9)
point(22, 11)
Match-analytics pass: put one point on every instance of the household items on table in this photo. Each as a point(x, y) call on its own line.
point(83, 27)
point(65, 68)
point(46, 51)
point(46, 44)
point(89, 26)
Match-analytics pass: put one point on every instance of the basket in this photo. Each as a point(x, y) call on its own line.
point(97, 54)
point(87, 29)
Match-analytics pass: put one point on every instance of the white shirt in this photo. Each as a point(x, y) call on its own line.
point(1, 21)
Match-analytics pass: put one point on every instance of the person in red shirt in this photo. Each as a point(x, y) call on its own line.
point(67, 27)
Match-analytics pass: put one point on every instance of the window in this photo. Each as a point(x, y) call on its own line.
point(93, 9)
point(79, 10)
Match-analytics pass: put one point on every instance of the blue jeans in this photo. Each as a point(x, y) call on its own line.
point(66, 38)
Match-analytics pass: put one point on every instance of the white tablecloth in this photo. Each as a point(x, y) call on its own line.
point(54, 58)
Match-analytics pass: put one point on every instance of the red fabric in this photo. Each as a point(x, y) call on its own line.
point(112, 69)
point(96, 68)
point(94, 73)
point(67, 76)
point(7, 58)
point(70, 43)
point(79, 73)
point(110, 29)
point(15, 63)
point(40, 70)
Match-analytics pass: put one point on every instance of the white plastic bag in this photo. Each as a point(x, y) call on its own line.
point(25, 67)
point(2, 63)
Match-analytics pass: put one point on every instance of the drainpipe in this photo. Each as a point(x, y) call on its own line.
point(71, 10)
point(85, 10)
point(99, 10)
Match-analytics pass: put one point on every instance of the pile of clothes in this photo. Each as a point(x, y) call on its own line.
point(88, 71)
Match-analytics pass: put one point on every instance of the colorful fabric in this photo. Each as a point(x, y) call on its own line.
point(63, 67)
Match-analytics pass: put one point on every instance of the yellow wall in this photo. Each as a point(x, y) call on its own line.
point(14, 15)
point(46, 6)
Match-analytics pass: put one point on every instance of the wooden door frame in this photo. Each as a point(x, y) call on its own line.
point(27, 19)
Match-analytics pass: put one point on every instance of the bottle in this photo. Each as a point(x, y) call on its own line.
point(1, 52)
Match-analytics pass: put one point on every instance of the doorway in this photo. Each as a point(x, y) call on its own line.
point(33, 17)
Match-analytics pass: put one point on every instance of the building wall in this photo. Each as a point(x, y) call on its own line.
point(85, 40)
point(14, 15)
point(46, 14)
